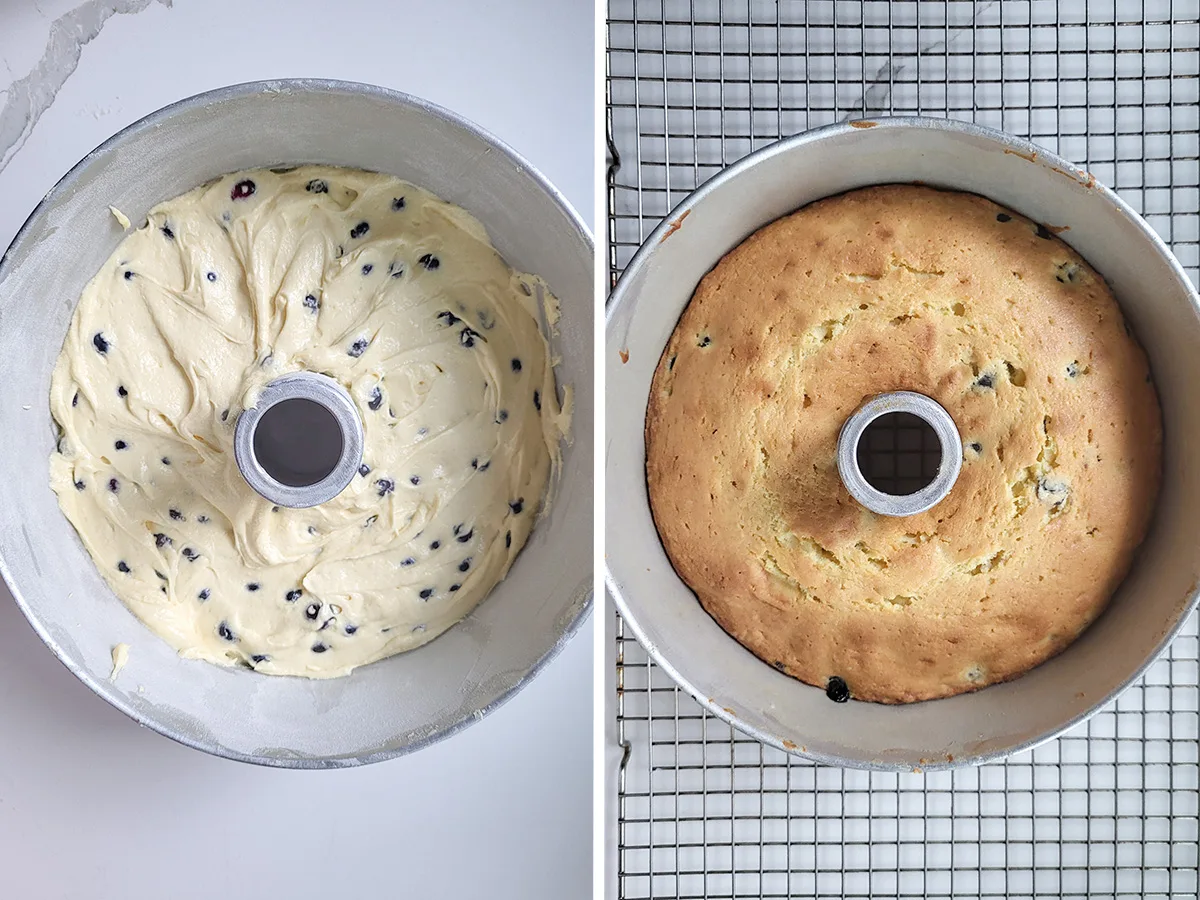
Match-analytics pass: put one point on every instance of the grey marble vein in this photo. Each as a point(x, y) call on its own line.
point(879, 90)
point(26, 99)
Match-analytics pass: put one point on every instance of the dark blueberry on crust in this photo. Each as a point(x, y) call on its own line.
point(253, 586)
point(398, 204)
point(129, 275)
point(318, 647)
point(517, 505)
point(100, 342)
point(516, 365)
point(204, 594)
point(986, 381)
point(121, 391)
point(464, 565)
point(1003, 217)
point(1044, 233)
point(167, 232)
point(123, 566)
point(454, 587)
point(120, 445)
point(359, 230)
point(293, 595)
point(837, 690)
point(426, 593)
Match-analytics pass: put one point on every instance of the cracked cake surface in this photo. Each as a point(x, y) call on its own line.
point(894, 288)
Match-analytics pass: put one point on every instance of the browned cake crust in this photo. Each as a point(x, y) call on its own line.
point(903, 288)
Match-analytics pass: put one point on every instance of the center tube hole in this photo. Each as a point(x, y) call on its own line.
point(899, 454)
point(298, 442)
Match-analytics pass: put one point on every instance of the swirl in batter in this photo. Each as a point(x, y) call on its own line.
point(398, 296)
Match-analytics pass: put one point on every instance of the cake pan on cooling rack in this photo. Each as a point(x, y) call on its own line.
point(393, 706)
point(1157, 299)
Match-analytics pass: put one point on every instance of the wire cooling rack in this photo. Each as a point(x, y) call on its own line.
point(1110, 809)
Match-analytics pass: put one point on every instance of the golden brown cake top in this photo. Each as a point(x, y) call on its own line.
point(903, 288)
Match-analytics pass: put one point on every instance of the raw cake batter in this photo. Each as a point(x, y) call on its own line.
point(398, 296)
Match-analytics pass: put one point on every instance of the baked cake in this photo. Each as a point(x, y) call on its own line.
point(890, 288)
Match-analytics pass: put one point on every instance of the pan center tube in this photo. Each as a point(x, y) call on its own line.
point(899, 454)
point(302, 443)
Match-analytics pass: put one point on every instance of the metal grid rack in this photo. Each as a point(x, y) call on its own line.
point(1109, 810)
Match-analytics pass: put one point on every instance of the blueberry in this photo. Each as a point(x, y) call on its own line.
point(507, 539)
point(225, 415)
point(516, 365)
point(121, 445)
point(350, 629)
point(224, 631)
point(397, 271)
point(386, 486)
point(191, 556)
point(100, 343)
point(449, 317)
point(114, 485)
point(464, 565)
point(364, 470)
point(1073, 369)
point(502, 416)
point(1043, 233)
point(408, 561)
point(121, 392)
point(517, 505)
point(457, 528)
point(293, 595)
point(398, 204)
point(317, 186)
point(466, 536)
point(253, 586)
point(311, 303)
point(166, 460)
point(160, 575)
point(175, 514)
point(358, 348)
point(202, 519)
point(537, 400)
point(467, 336)
point(242, 190)
point(75, 399)
point(376, 400)
point(483, 466)
point(426, 593)
point(359, 230)
point(976, 446)
point(161, 540)
point(1003, 217)
point(123, 566)
point(475, 463)
point(454, 587)
point(318, 647)
point(366, 269)
point(312, 611)
point(415, 479)
point(204, 595)
point(985, 381)
point(211, 276)
point(259, 658)
point(167, 232)
point(837, 690)
point(704, 341)
point(129, 275)
point(780, 666)
point(79, 485)
point(429, 261)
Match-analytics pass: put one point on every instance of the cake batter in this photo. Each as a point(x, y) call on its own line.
point(402, 299)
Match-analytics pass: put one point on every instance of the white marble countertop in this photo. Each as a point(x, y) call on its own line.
point(91, 805)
